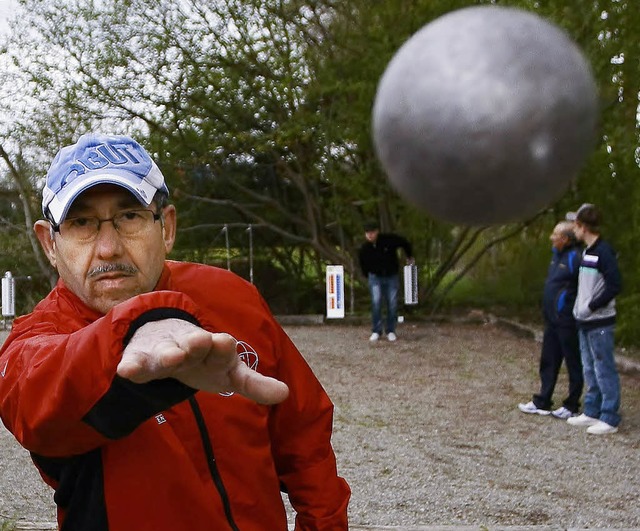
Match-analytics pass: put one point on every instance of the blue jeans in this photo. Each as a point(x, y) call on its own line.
point(384, 288)
point(602, 397)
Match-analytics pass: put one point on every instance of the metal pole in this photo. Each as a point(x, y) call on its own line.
point(225, 229)
point(352, 295)
point(250, 230)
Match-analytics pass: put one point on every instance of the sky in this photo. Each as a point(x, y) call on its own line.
point(5, 10)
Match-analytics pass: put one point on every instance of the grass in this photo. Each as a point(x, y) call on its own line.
point(7, 525)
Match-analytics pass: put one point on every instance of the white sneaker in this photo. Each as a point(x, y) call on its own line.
point(531, 408)
point(582, 420)
point(563, 413)
point(391, 336)
point(374, 337)
point(601, 428)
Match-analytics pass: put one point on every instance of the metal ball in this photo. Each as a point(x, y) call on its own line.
point(485, 115)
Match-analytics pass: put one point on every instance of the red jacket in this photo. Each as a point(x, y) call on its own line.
point(161, 456)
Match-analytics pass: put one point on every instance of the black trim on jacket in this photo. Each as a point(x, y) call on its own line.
point(79, 491)
point(211, 461)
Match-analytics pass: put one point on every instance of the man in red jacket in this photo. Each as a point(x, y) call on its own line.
point(153, 394)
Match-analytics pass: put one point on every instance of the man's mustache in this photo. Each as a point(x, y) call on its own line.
point(112, 268)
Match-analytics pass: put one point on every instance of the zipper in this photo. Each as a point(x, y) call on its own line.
point(211, 460)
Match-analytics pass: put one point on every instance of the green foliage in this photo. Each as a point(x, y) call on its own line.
point(7, 525)
point(510, 277)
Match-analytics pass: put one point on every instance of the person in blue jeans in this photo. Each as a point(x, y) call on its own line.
point(380, 265)
point(560, 339)
point(599, 282)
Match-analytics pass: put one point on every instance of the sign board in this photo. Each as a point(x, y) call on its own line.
point(335, 292)
point(410, 284)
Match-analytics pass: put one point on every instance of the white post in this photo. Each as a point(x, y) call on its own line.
point(8, 298)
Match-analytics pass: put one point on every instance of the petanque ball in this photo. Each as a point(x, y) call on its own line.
point(485, 115)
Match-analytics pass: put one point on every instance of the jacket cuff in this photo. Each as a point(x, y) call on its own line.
point(126, 404)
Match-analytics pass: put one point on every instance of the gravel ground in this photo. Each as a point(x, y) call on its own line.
point(427, 432)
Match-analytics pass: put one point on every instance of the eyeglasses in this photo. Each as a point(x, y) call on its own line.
point(128, 223)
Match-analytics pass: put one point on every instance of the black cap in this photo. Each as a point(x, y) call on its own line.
point(371, 225)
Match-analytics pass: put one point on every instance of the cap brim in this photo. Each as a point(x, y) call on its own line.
point(60, 203)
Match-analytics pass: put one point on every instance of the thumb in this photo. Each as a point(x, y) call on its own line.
point(257, 387)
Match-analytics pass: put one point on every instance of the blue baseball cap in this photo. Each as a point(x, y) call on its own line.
point(99, 159)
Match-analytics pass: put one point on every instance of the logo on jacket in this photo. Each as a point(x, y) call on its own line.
point(249, 357)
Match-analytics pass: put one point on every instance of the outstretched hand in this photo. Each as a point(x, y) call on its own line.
point(173, 348)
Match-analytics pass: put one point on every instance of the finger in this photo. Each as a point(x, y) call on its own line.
point(224, 344)
point(197, 346)
point(130, 369)
point(134, 367)
point(257, 387)
point(141, 366)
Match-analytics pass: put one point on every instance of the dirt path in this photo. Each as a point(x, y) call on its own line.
point(427, 433)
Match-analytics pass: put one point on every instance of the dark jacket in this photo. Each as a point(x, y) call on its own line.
point(381, 257)
point(561, 287)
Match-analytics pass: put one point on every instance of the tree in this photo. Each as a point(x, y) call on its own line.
point(216, 90)
point(258, 112)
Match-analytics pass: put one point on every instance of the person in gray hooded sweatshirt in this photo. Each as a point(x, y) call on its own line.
point(599, 281)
